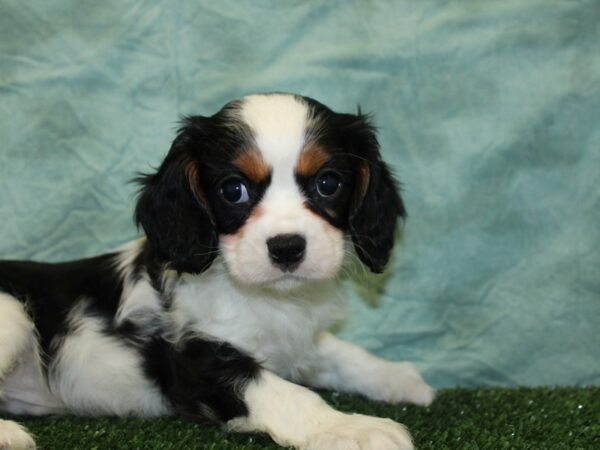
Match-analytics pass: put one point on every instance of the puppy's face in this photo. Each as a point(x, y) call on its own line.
point(275, 183)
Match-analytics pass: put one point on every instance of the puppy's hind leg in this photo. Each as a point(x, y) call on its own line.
point(16, 330)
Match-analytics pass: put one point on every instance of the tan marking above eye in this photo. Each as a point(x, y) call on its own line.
point(311, 159)
point(251, 164)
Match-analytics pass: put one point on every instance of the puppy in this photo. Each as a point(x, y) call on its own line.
point(221, 312)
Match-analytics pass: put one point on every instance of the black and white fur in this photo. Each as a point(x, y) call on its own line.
point(221, 312)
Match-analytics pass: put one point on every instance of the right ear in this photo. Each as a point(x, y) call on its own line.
point(377, 204)
point(173, 210)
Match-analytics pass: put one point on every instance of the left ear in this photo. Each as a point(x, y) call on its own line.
point(377, 203)
point(173, 209)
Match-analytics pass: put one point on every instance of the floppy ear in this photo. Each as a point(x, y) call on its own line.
point(173, 210)
point(377, 203)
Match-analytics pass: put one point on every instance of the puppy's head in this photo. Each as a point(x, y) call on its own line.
point(273, 182)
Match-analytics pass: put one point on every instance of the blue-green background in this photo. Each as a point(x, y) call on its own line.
point(488, 111)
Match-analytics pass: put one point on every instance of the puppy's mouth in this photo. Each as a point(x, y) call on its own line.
point(286, 282)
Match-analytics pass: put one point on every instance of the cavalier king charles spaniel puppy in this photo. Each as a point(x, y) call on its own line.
point(220, 313)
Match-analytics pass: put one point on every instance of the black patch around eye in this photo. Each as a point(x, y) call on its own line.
point(232, 203)
point(328, 193)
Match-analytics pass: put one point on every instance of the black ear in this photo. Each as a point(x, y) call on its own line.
point(173, 210)
point(377, 203)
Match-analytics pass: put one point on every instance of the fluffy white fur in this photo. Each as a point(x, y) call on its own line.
point(216, 304)
point(96, 374)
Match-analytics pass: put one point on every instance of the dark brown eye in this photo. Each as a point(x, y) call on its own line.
point(328, 184)
point(234, 190)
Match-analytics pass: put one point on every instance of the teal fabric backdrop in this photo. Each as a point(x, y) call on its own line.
point(489, 113)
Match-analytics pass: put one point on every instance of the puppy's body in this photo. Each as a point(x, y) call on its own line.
point(231, 293)
point(98, 351)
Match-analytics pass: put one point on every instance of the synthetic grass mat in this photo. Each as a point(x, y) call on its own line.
point(488, 418)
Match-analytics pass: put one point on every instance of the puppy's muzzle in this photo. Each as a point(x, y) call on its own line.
point(286, 251)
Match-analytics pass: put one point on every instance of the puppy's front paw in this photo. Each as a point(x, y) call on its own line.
point(359, 432)
point(14, 437)
point(400, 382)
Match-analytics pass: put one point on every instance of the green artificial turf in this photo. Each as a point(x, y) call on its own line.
point(490, 418)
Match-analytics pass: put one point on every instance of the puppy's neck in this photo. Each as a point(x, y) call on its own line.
point(274, 326)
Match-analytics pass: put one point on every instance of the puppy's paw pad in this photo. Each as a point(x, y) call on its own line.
point(358, 432)
point(14, 437)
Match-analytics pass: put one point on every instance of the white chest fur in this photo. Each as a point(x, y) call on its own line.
point(277, 328)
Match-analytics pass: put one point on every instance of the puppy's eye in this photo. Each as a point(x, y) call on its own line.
point(234, 191)
point(328, 184)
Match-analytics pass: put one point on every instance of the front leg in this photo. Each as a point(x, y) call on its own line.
point(347, 368)
point(208, 380)
point(297, 417)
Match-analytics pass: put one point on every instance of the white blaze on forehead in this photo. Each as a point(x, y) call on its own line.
point(278, 122)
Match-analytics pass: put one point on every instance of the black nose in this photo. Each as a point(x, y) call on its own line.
point(286, 251)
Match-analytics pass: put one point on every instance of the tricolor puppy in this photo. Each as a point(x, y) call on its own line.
point(221, 312)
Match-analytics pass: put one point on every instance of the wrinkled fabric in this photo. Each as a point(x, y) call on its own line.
point(489, 113)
